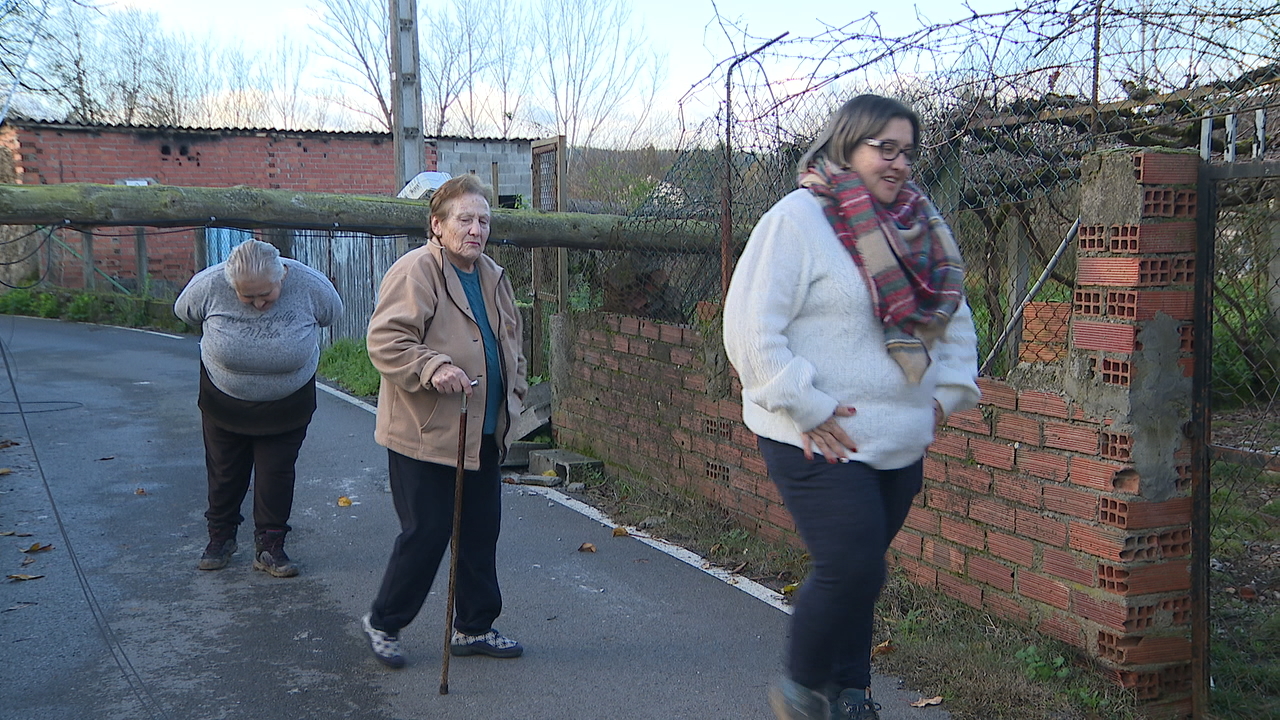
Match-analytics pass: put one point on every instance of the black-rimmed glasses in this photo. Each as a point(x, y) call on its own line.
point(890, 150)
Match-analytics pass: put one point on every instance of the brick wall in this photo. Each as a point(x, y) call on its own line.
point(1060, 502)
point(48, 153)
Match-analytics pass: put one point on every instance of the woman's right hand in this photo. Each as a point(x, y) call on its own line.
point(829, 438)
point(449, 379)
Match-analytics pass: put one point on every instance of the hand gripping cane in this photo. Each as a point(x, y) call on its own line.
point(453, 543)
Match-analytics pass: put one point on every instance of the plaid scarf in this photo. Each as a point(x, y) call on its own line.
point(906, 254)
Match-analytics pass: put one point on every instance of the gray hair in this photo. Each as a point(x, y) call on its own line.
point(857, 120)
point(254, 259)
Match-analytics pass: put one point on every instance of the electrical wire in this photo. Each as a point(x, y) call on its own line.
point(70, 405)
point(131, 675)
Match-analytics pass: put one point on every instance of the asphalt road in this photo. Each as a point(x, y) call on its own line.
point(108, 469)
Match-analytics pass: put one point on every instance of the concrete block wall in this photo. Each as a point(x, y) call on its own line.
point(1061, 502)
point(458, 156)
point(47, 153)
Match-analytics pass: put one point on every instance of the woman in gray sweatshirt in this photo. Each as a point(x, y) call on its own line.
point(261, 316)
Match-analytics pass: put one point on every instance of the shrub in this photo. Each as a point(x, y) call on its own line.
point(16, 302)
point(47, 305)
point(82, 308)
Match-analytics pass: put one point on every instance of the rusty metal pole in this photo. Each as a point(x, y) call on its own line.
point(1198, 431)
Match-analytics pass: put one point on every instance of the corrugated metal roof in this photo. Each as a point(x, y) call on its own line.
point(17, 119)
point(120, 127)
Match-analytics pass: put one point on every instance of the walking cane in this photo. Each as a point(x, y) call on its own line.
point(453, 542)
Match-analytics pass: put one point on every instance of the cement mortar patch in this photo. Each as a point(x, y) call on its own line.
point(1045, 377)
point(1160, 403)
point(1109, 192)
point(1085, 388)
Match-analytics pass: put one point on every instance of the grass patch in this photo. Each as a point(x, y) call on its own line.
point(346, 363)
point(985, 668)
point(693, 522)
point(102, 308)
point(988, 669)
point(1244, 654)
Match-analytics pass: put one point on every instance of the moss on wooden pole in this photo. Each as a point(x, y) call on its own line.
point(85, 205)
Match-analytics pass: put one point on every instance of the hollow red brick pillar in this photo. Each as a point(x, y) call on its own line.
point(1128, 369)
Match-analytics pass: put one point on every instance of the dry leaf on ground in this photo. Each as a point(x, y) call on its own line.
point(5, 471)
point(883, 648)
point(139, 491)
point(109, 457)
point(926, 702)
point(344, 501)
point(620, 532)
point(14, 533)
point(586, 547)
point(37, 547)
point(21, 578)
point(26, 560)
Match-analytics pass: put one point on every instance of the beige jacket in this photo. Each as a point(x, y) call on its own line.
point(422, 321)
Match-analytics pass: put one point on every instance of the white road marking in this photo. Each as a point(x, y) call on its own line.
point(746, 585)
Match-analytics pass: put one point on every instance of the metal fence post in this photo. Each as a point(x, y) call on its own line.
point(86, 245)
point(140, 257)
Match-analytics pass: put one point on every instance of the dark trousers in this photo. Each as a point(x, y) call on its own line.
point(423, 497)
point(847, 514)
point(230, 458)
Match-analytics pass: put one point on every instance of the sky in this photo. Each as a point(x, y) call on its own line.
point(679, 28)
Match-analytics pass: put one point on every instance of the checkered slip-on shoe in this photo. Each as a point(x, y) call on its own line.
point(491, 643)
point(385, 646)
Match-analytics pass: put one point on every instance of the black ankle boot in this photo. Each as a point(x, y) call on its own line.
point(269, 554)
point(222, 544)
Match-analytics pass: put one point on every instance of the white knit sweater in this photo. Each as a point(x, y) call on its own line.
point(800, 330)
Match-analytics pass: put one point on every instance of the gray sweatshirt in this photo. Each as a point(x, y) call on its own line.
point(254, 355)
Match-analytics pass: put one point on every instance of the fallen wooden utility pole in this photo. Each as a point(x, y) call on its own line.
point(84, 205)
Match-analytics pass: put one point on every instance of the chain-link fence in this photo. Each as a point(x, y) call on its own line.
point(1243, 454)
point(1010, 101)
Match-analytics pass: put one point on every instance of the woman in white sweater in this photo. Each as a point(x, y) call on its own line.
point(847, 324)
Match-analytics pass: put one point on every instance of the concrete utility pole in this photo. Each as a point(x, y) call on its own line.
point(406, 92)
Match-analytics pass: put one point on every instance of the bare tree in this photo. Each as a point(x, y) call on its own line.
point(594, 65)
point(509, 70)
point(449, 54)
point(283, 75)
point(63, 71)
point(356, 35)
point(476, 28)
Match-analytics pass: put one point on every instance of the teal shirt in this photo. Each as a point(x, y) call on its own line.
point(492, 365)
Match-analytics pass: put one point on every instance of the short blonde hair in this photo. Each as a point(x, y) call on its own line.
point(855, 121)
point(254, 259)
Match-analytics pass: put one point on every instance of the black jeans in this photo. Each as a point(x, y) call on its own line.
point(847, 514)
point(423, 496)
point(230, 458)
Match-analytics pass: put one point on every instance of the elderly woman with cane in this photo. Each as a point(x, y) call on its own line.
point(261, 317)
point(446, 324)
point(847, 322)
